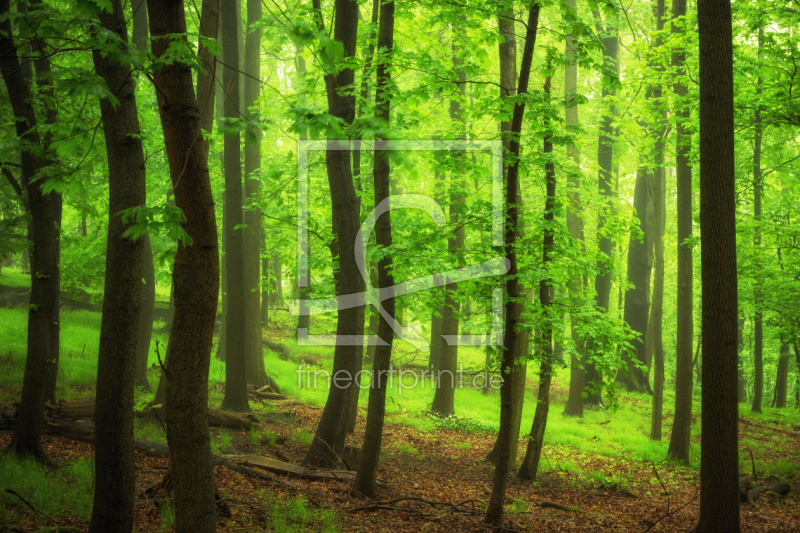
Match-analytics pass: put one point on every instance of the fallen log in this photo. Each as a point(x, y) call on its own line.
point(284, 351)
point(286, 469)
point(765, 426)
point(73, 409)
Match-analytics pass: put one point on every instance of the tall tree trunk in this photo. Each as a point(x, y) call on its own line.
point(518, 375)
point(758, 324)
point(635, 311)
point(44, 267)
point(511, 345)
point(147, 303)
point(235, 357)
point(254, 351)
point(577, 376)
point(328, 442)
point(782, 378)
point(196, 282)
point(444, 396)
point(530, 465)
point(139, 35)
point(659, 217)
point(605, 148)
point(740, 363)
point(114, 478)
point(719, 455)
point(679, 443)
point(373, 434)
point(303, 319)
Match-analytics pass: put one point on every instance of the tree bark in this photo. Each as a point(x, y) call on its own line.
point(511, 347)
point(114, 475)
point(235, 356)
point(44, 268)
point(530, 465)
point(740, 363)
point(719, 459)
point(577, 375)
point(147, 302)
point(657, 313)
point(254, 353)
point(518, 375)
point(444, 396)
point(328, 443)
point(782, 378)
point(635, 311)
point(373, 435)
point(758, 323)
point(679, 444)
point(196, 282)
point(605, 148)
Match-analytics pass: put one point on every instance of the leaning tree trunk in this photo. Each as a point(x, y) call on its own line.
point(518, 375)
point(373, 434)
point(196, 281)
point(679, 443)
point(114, 479)
point(328, 443)
point(254, 352)
point(530, 465)
point(235, 357)
point(511, 346)
point(26, 441)
point(719, 455)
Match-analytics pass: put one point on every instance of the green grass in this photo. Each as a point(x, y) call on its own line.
point(221, 442)
point(13, 277)
point(64, 491)
point(303, 436)
point(167, 510)
point(149, 429)
point(296, 515)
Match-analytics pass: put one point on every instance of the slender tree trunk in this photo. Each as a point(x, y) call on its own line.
point(147, 303)
point(444, 396)
point(635, 311)
point(605, 148)
point(140, 36)
point(254, 351)
point(511, 345)
point(303, 320)
point(719, 459)
point(196, 282)
point(328, 442)
point(44, 268)
point(530, 465)
point(577, 376)
point(114, 478)
point(740, 363)
point(782, 378)
point(659, 217)
point(679, 444)
point(235, 356)
point(518, 375)
point(758, 337)
point(368, 470)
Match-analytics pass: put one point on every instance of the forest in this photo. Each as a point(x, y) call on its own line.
point(399, 265)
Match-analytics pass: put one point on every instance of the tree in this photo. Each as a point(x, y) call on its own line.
point(511, 348)
point(254, 352)
point(530, 464)
point(609, 38)
point(114, 478)
point(235, 357)
point(447, 361)
point(328, 442)
point(679, 443)
point(577, 375)
point(719, 456)
point(26, 441)
point(758, 187)
point(195, 278)
point(636, 296)
point(373, 434)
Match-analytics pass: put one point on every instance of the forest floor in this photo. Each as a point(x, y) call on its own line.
point(431, 481)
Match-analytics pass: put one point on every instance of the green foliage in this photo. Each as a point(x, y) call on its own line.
point(167, 511)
